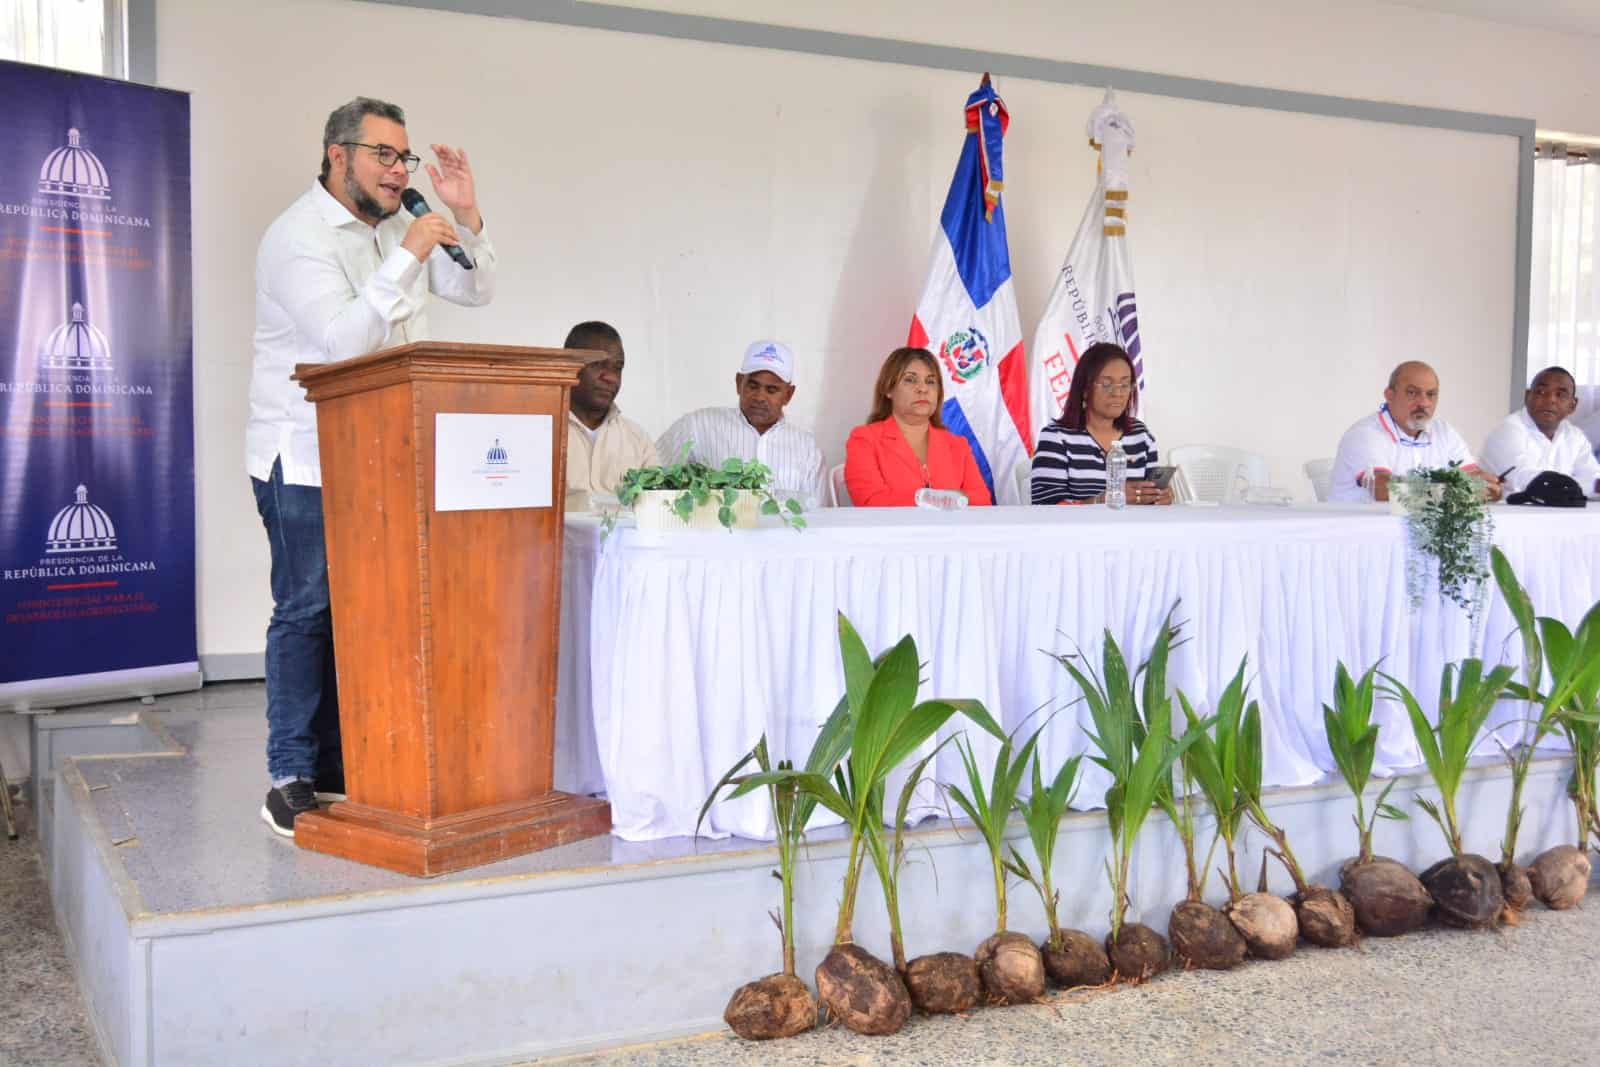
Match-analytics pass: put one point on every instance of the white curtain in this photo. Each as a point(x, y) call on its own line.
point(1564, 310)
point(70, 34)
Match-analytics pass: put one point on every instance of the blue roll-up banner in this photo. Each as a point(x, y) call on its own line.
point(97, 534)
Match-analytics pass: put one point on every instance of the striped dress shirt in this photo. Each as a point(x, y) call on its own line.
point(721, 434)
point(1070, 464)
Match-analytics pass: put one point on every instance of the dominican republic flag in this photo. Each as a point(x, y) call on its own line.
point(1093, 298)
point(968, 312)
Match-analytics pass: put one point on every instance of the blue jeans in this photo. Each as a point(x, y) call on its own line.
point(302, 693)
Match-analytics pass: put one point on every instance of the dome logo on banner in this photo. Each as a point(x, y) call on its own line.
point(80, 527)
point(75, 345)
point(965, 354)
point(73, 170)
point(497, 457)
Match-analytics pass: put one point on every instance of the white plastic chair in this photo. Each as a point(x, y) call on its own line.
point(1218, 473)
point(1320, 471)
point(837, 490)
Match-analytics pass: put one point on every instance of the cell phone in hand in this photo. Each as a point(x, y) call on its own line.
point(1160, 477)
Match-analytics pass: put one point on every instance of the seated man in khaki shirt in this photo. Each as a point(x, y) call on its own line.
point(601, 444)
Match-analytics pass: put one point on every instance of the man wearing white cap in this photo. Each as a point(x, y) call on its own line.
point(756, 429)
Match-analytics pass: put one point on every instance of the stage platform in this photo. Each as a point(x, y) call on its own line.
point(202, 938)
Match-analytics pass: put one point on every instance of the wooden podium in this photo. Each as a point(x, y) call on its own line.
point(446, 623)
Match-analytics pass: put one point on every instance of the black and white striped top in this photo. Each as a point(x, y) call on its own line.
point(1071, 465)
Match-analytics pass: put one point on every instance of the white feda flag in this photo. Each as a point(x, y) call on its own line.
point(1093, 299)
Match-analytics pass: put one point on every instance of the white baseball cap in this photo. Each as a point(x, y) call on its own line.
point(773, 356)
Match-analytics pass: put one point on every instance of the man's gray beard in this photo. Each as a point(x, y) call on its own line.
point(364, 203)
point(1416, 426)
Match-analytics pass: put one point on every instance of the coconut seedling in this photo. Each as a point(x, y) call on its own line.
point(1387, 898)
point(780, 1005)
point(1465, 887)
point(940, 982)
point(1137, 748)
point(1009, 963)
point(1515, 883)
point(1321, 915)
point(885, 725)
point(1559, 877)
point(1202, 935)
point(1071, 957)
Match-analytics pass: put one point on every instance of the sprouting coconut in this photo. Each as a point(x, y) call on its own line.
point(1322, 917)
point(1388, 899)
point(1515, 883)
point(1201, 935)
point(939, 983)
point(1387, 892)
point(1465, 887)
point(880, 725)
point(1009, 964)
point(1138, 750)
point(778, 1005)
point(943, 983)
point(1560, 877)
point(1071, 957)
point(1265, 921)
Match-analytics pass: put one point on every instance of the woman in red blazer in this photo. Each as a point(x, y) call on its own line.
point(904, 446)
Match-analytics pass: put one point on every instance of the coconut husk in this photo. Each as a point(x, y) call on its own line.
point(778, 1005)
point(1466, 891)
point(1515, 885)
point(1011, 969)
point(1075, 959)
point(1202, 936)
point(1560, 876)
point(943, 983)
point(1388, 899)
point(1325, 916)
point(1267, 924)
point(862, 992)
point(1138, 952)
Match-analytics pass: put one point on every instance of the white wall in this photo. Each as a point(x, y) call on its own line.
point(702, 195)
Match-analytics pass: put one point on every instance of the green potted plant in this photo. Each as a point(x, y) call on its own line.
point(691, 495)
point(1448, 522)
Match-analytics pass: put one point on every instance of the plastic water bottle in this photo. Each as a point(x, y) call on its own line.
point(1116, 476)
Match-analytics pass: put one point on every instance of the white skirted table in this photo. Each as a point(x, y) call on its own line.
point(697, 643)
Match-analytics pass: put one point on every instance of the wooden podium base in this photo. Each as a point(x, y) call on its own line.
point(384, 839)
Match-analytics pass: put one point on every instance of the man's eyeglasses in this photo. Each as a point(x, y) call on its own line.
point(387, 157)
point(1114, 387)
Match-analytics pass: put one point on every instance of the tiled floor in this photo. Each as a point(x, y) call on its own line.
point(195, 840)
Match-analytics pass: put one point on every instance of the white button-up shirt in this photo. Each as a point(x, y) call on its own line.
point(330, 287)
point(1518, 443)
point(1377, 443)
point(721, 434)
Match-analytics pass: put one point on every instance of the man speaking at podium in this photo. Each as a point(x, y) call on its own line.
point(339, 274)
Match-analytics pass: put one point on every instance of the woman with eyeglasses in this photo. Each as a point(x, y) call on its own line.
point(1069, 464)
point(904, 446)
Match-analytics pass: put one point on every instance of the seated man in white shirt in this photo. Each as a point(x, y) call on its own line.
point(756, 429)
point(1402, 437)
point(601, 444)
point(1537, 436)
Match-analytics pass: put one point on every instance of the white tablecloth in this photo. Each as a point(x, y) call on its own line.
point(700, 642)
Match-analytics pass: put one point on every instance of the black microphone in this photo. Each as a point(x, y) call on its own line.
point(419, 207)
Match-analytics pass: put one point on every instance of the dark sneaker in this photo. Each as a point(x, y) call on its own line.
point(330, 786)
point(285, 802)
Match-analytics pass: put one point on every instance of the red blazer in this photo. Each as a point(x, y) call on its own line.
point(881, 471)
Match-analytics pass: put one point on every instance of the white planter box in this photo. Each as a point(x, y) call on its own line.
point(653, 511)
